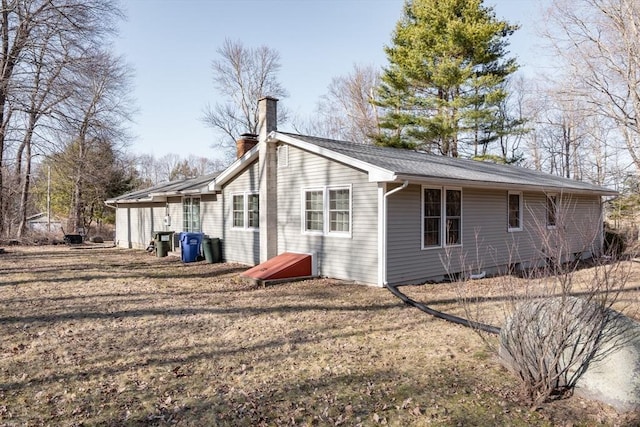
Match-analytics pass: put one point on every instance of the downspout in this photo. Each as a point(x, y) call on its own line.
point(384, 230)
point(394, 290)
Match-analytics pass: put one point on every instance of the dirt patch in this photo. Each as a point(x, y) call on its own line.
point(120, 337)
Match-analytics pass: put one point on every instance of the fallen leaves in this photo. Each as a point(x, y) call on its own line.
point(128, 338)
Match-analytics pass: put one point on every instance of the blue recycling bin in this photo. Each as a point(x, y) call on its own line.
point(190, 246)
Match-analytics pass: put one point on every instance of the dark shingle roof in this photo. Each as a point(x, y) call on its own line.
point(418, 164)
point(183, 185)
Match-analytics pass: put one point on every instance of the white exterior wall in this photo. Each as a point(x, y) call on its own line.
point(351, 258)
point(211, 215)
point(487, 243)
point(122, 239)
point(135, 224)
point(239, 245)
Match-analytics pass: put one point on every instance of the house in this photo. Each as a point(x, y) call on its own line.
point(43, 223)
point(371, 214)
point(184, 205)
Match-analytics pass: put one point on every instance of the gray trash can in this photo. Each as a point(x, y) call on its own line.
point(162, 242)
point(211, 249)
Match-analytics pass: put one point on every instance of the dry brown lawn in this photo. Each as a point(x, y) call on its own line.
point(119, 337)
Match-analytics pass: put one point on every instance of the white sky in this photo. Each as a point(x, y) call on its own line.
point(171, 44)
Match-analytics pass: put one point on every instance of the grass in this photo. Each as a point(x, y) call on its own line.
point(118, 337)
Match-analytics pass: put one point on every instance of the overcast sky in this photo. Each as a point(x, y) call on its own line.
point(171, 44)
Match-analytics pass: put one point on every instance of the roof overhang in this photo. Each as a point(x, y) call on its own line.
point(502, 185)
point(236, 167)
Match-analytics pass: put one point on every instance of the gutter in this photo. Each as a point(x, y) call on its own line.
point(459, 182)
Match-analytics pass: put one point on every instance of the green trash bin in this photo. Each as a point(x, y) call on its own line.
point(211, 249)
point(162, 242)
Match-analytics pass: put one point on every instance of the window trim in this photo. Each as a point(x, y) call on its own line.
point(443, 217)
point(422, 217)
point(520, 227)
point(326, 217)
point(245, 210)
point(248, 225)
point(444, 207)
point(184, 219)
point(556, 208)
point(234, 210)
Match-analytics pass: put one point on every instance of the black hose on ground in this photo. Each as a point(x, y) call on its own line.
point(448, 317)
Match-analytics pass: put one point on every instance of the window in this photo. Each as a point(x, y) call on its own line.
point(327, 210)
point(454, 217)
point(339, 210)
point(552, 210)
point(515, 211)
point(442, 213)
point(246, 211)
point(191, 214)
point(253, 210)
point(238, 210)
point(432, 215)
point(313, 211)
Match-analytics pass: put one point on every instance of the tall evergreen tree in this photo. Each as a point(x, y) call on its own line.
point(446, 74)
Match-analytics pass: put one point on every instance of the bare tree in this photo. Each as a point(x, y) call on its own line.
point(599, 44)
point(172, 167)
point(93, 117)
point(165, 165)
point(42, 90)
point(241, 76)
point(567, 137)
point(346, 111)
point(37, 40)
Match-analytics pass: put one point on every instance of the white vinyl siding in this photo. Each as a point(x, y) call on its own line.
point(487, 242)
point(353, 258)
point(211, 215)
point(240, 246)
point(136, 223)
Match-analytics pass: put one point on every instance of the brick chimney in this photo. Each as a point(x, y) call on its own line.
point(245, 143)
point(267, 122)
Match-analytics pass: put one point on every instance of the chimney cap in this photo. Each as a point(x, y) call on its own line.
point(248, 135)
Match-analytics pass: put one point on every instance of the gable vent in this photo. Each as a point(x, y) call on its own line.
point(283, 156)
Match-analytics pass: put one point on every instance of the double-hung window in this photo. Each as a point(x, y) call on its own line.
point(339, 210)
point(453, 217)
point(327, 210)
point(552, 210)
point(246, 211)
point(514, 211)
point(441, 217)
point(432, 217)
point(191, 214)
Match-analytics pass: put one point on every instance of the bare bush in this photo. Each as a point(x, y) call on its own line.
point(557, 307)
